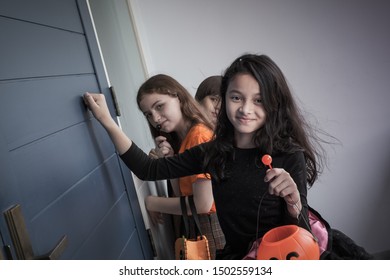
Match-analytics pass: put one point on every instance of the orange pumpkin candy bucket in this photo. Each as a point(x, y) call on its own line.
point(288, 242)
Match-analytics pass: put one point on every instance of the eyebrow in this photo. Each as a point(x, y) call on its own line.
point(239, 92)
point(234, 91)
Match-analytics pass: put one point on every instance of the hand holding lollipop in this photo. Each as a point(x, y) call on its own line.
point(267, 160)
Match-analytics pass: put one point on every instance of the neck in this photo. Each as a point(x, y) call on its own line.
point(244, 141)
point(184, 127)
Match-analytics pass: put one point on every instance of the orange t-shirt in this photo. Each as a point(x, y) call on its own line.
point(198, 134)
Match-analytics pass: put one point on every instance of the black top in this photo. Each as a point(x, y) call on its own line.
point(236, 198)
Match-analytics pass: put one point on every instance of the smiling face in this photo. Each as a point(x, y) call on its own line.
point(163, 110)
point(244, 109)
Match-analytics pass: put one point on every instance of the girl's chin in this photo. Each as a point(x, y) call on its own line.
point(245, 131)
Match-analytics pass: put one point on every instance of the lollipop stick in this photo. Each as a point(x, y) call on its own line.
point(158, 127)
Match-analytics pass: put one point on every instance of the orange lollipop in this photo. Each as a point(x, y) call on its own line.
point(267, 159)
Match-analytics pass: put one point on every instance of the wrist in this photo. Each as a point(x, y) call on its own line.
point(149, 203)
point(108, 123)
point(294, 208)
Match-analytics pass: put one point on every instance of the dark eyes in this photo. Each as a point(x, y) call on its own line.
point(215, 99)
point(157, 108)
point(236, 98)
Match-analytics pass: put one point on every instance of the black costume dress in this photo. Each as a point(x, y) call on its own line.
point(238, 197)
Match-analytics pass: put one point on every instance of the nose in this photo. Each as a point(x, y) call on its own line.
point(156, 117)
point(247, 107)
point(217, 105)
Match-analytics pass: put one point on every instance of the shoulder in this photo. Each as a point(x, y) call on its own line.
point(201, 129)
point(199, 133)
point(290, 160)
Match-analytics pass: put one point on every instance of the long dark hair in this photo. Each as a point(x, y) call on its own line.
point(285, 129)
point(164, 84)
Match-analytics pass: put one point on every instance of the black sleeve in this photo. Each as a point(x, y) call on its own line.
point(145, 168)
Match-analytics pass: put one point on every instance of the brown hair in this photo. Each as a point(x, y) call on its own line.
point(209, 86)
point(164, 84)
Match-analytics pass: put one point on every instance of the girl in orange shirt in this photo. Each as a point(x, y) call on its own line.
point(177, 123)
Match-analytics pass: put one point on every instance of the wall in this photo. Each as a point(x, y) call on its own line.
point(335, 56)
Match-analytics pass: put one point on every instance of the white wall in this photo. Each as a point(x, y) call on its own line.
point(334, 53)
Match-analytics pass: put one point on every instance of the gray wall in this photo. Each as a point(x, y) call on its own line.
point(334, 54)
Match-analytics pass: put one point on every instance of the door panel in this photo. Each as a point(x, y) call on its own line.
point(41, 51)
point(46, 106)
point(124, 244)
point(56, 161)
point(55, 13)
point(61, 160)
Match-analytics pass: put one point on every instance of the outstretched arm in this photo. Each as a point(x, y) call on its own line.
point(96, 102)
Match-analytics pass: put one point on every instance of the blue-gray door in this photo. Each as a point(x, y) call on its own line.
point(56, 161)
